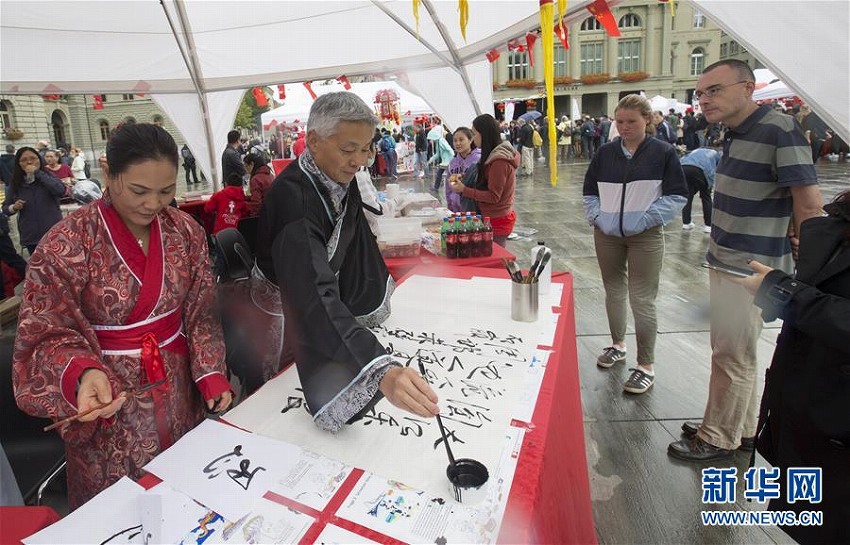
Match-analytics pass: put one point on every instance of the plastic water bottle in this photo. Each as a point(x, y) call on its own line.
point(544, 279)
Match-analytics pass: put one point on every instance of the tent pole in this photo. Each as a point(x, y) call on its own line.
point(190, 57)
point(460, 67)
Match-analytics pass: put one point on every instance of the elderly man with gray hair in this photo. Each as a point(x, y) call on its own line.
point(314, 242)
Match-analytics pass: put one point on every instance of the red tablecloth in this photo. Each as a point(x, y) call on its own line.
point(196, 210)
point(278, 165)
point(400, 266)
point(16, 523)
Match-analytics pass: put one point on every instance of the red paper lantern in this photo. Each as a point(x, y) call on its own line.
point(501, 106)
point(531, 103)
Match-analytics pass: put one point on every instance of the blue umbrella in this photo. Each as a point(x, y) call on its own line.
point(529, 116)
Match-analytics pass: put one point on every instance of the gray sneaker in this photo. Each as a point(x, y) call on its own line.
point(638, 382)
point(610, 356)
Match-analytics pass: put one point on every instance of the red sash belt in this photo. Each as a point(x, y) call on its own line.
point(145, 339)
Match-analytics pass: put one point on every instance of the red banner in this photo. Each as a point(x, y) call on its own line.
point(344, 81)
point(260, 96)
point(561, 33)
point(492, 55)
point(530, 38)
point(281, 92)
point(98, 102)
point(602, 12)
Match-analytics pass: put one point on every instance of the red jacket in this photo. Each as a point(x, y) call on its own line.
point(261, 181)
point(228, 206)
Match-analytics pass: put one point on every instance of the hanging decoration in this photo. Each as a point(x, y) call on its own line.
point(672, 6)
point(600, 10)
point(260, 96)
point(463, 10)
point(548, 32)
point(281, 91)
point(501, 107)
point(416, 16)
point(387, 104)
point(344, 81)
point(531, 103)
point(530, 38)
point(561, 33)
point(492, 55)
point(97, 102)
point(515, 45)
point(309, 86)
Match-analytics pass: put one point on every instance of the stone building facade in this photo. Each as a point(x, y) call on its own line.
point(71, 120)
point(656, 53)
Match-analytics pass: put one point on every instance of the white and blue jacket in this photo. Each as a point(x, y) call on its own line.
point(626, 196)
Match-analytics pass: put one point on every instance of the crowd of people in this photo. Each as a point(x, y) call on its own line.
point(317, 258)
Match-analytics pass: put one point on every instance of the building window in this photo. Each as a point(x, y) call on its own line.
point(699, 19)
point(733, 48)
point(104, 129)
point(129, 120)
point(6, 114)
point(591, 24)
point(697, 61)
point(591, 58)
point(127, 97)
point(628, 56)
point(724, 50)
point(157, 120)
point(560, 61)
point(518, 65)
point(629, 20)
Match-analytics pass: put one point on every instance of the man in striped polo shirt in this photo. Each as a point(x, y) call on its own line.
point(765, 187)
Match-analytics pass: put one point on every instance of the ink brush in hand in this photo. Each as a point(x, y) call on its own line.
point(133, 392)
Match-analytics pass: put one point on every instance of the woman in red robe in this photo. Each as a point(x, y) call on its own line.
point(120, 295)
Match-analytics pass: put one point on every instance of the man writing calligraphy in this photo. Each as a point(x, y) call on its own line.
point(314, 242)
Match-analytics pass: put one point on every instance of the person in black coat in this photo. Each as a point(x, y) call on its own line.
point(805, 414)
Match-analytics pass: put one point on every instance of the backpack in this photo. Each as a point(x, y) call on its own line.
point(186, 153)
point(387, 143)
point(536, 139)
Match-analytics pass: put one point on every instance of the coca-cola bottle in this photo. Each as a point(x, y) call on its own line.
point(451, 240)
point(477, 243)
point(487, 239)
point(463, 239)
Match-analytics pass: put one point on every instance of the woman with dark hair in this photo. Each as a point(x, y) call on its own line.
point(35, 194)
point(466, 157)
point(120, 296)
point(57, 168)
point(496, 181)
point(261, 180)
point(804, 420)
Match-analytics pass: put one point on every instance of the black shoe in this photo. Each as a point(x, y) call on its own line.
point(690, 430)
point(697, 450)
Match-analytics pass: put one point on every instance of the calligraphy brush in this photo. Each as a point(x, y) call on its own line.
point(440, 423)
point(130, 393)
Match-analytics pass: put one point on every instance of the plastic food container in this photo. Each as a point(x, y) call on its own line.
point(399, 237)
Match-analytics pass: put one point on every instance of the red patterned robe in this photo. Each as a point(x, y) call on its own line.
point(93, 299)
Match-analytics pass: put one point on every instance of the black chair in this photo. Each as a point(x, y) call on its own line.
point(37, 457)
point(237, 255)
point(248, 228)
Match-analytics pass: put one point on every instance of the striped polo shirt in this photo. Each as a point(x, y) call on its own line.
point(762, 159)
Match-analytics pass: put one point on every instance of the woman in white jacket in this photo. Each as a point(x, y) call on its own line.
point(78, 167)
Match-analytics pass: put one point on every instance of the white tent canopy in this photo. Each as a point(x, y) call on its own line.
point(191, 55)
point(196, 56)
point(296, 106)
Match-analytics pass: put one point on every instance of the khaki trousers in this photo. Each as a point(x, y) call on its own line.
point(631, 267)
point(736, 324)
point(527, 160)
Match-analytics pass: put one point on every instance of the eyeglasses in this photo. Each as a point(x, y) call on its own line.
point(715, 90)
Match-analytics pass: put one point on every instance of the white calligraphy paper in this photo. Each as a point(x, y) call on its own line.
point(312, 480)
point(414, 516)
point(476, 359)
point(113, 516)
point(334, 535)
point(223, 467)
